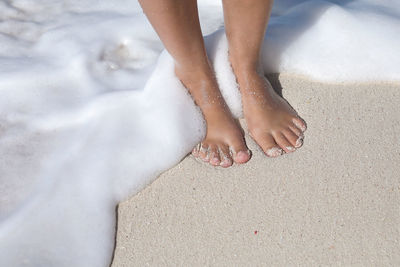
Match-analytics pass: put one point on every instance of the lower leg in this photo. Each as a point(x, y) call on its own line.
point(177, 24)
point(245, 25)
point(272, 122)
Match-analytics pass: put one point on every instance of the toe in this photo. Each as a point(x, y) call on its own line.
point(226, 160)
point(299, 142)
point(282, 141)
point(269, 146)
point(299, 134)
point(204, 152)
point(292, 138)
point(242, 156)
point(300, 123)
point(240, 152)
point(295, 130)
point(195, 151)
point(214, 156)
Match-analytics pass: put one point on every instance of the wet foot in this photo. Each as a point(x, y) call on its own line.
point(271, 121)
point(224, 142)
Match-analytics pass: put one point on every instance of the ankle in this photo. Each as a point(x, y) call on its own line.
point(203, 87)
point(194, 74)
point(244, 63)
point(194, 65)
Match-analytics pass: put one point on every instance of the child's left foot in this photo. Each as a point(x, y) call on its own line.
point(271, 121)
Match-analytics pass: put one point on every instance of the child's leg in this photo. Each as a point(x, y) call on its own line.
point(272, 122)
point(177, 24)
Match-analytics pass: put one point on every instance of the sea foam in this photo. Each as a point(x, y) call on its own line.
point(91, 111)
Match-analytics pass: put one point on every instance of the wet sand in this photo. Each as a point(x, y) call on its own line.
point(335, 201)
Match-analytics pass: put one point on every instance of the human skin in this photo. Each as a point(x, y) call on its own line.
point(271, 121)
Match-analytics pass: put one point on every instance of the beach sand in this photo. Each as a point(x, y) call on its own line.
point(335, 201)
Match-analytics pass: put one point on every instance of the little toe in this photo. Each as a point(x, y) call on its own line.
point(269, 146)
point(214, 156)
point(240, 153)
point(225, 157)
point(300, 123)
point(204, 152)
point(282, 141)
point(195, 151)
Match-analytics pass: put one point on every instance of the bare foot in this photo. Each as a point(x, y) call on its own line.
point(224, 142)
point(271, 121)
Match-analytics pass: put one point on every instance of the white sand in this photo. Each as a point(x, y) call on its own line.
point(335, 201)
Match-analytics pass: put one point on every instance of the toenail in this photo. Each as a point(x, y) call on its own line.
point(299, 142)
point(225, 164)
point(274, 152)
point(243, 154)
point(207, 157)
point(290, 148)
point(203, 149)
point(215, 161)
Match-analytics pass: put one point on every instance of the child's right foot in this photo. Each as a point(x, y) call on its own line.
point(271, 121)
point(224, 142)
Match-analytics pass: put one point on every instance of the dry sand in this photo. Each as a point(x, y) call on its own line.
point(336, 201)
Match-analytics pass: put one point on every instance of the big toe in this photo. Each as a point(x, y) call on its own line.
point(240, 152)
point(284, 143)
point(268, 145)
point(242, 156)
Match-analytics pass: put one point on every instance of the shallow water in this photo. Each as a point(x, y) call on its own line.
point(91, 112)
